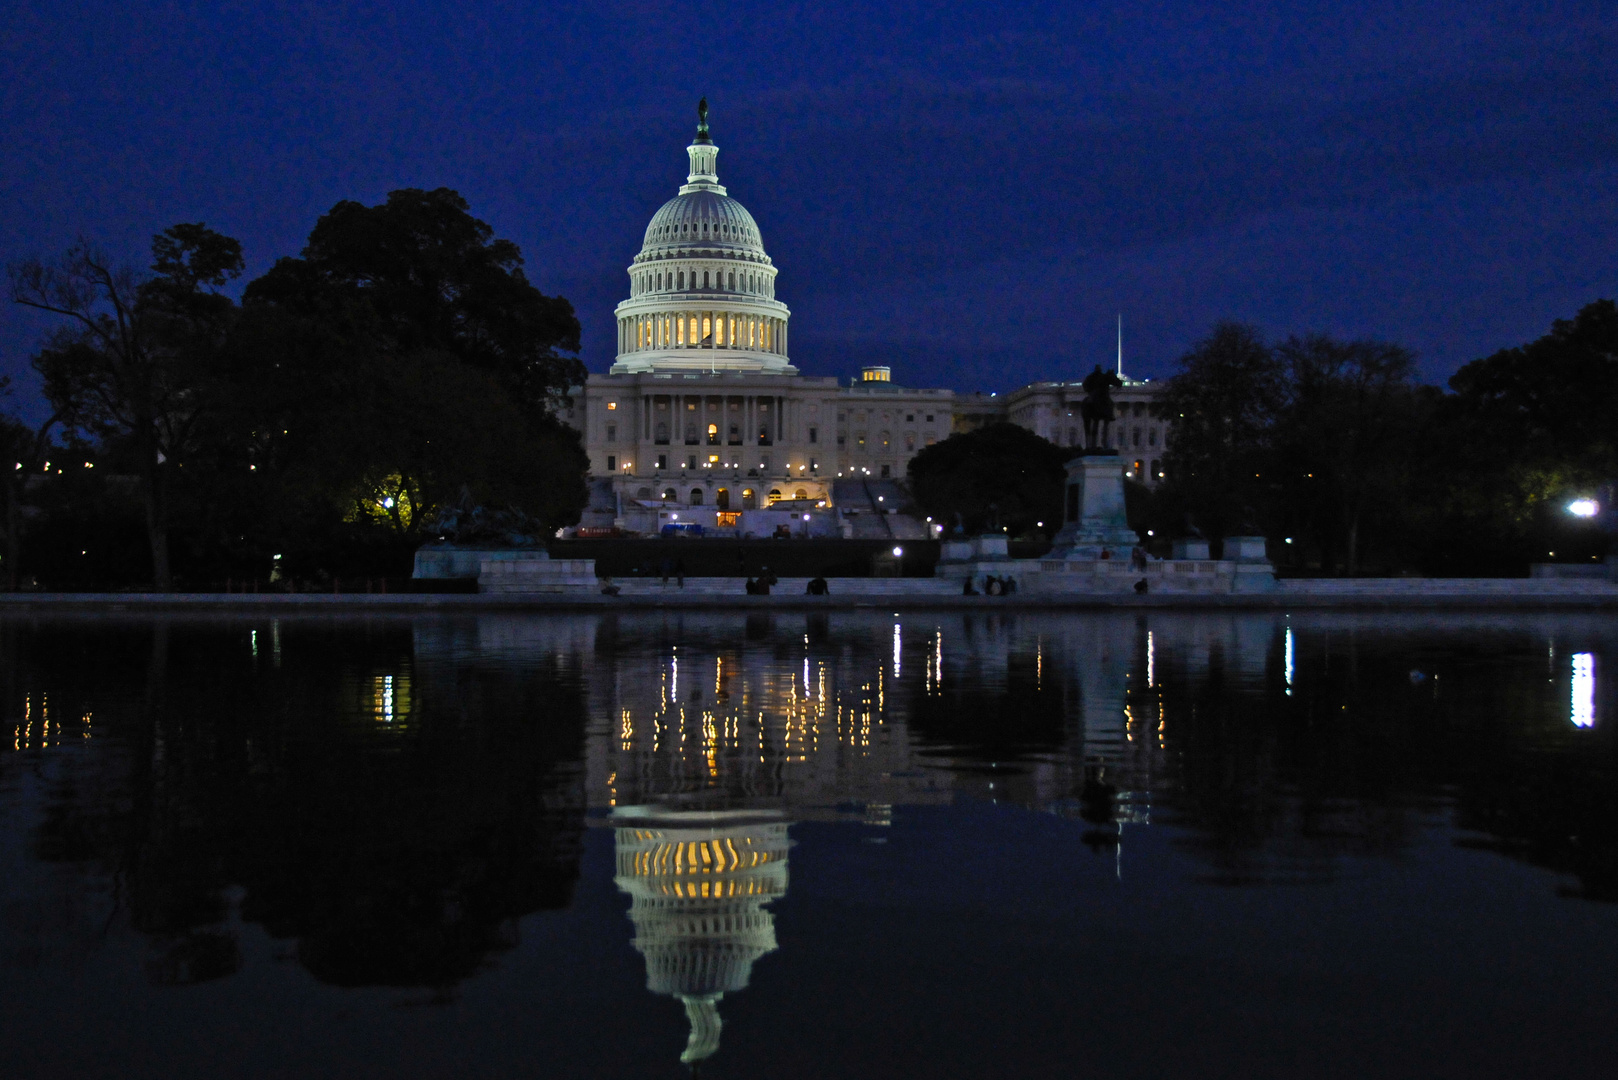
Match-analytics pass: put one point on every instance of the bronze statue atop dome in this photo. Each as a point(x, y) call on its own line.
point(702, 121)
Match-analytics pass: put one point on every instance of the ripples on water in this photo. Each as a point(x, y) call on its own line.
point(804, 844)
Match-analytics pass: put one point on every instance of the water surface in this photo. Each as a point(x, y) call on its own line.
point(808, 845)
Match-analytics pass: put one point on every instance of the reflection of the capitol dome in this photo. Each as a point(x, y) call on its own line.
point(698, 883)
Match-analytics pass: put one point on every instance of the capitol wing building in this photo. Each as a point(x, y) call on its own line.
point(703, 420)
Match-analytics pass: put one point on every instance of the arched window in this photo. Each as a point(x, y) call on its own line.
point(713, 434)
point(681, 280)
point(691, 435)
point(800, 494)
point(775, 495)
point(696, 496)
point(749, 499)
point(705, 279)
point(644, 493)
point(721, 498)
point(669, 495)
point(733, 281)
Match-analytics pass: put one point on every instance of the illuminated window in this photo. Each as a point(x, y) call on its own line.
point(611, 405)
point(707, 326)
point(679, 332)
point(775, 495)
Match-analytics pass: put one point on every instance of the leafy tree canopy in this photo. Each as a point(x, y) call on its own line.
point(1223, 403)
point(402, 359)
point(430, 277)
point(999, 475)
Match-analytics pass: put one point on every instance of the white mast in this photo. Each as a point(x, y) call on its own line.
point(1120, 344)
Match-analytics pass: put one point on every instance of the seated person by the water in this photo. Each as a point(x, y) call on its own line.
point(608, 588)
point(817, 587)
point(1008, 585)
point(968, 589)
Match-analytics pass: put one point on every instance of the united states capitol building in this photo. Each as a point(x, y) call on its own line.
point(704, 420)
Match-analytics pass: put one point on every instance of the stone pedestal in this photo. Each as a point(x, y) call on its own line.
point(1095, 521)
point(447, 562)
point(1191, 548)
point(538, 575)
point(1250, 564)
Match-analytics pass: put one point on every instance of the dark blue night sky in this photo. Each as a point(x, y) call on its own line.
point(968, 191)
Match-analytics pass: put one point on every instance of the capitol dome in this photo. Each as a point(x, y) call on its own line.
point(702, 289)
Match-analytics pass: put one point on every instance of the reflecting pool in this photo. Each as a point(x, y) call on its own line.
point(805, 845)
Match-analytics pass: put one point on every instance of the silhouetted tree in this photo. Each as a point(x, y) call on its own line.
point(1344, 435)
point(1223, 402)
point(1001, 475)
point(131, 360)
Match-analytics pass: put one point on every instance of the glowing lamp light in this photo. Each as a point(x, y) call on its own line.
point(387, 503)
point(806, 517)
point(1584, 508)
point(898, 552)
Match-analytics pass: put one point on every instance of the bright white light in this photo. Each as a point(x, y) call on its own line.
point(806, 517)
point(1584, 690)
point(1289, 539)
point(898, 551)
point(387, 503)
point(897, 644)
point(1289, 661)
point(1584, 508)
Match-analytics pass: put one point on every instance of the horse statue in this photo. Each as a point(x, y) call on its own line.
point(1097, 409)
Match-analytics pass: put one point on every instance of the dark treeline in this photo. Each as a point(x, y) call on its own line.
point(1335, 446)
point(1333, 451)
point(312, 429)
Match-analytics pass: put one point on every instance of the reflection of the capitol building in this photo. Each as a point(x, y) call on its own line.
point(698, 883)
point(709, 734)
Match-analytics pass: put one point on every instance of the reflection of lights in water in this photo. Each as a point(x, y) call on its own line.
point(253, 640)
point(1584, 690)
point(896, 644)
point(384, 699)
point(1151, 659)
point(1289, 659)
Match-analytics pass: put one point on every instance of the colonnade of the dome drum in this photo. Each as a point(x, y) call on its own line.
point(744, 282)
point(702, 330)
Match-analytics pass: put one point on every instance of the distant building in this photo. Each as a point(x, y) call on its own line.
point(703, 419)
